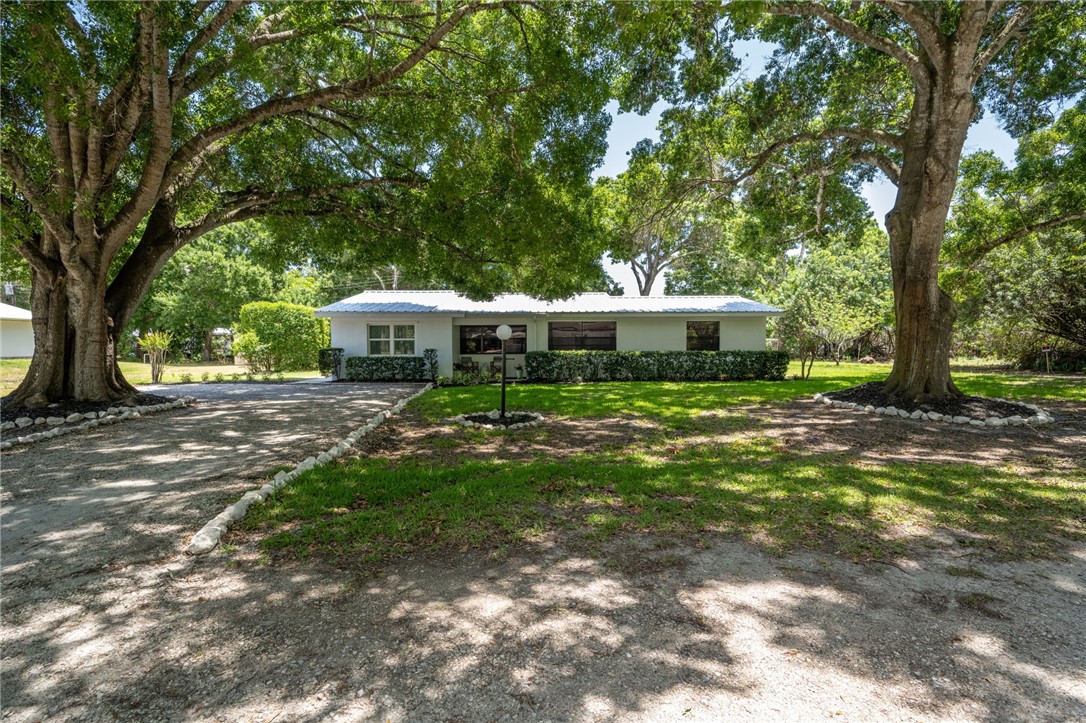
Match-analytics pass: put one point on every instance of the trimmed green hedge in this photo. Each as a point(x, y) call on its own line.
point(385, 369)
point(650, 366)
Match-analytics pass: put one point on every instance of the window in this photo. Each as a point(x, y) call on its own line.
point(484, 340)
point(392, 339)
point(597, 335)
point(703, 336)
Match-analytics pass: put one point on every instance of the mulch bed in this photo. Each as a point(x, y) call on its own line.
point(872, 393)
point(9, 413)
point(507, 421)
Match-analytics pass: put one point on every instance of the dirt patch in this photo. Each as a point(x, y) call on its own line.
point(872, 394)
point(806, 427)
point(411, 435)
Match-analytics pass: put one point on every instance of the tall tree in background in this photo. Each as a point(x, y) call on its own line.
point(890, 87)
point(646, 227)
point(460, 135)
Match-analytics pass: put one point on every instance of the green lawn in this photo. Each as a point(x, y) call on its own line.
point(12, 372)
point(706, 466)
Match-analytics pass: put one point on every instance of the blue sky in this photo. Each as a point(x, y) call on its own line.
point(627, 129)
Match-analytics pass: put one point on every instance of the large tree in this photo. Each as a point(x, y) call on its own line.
point(855, 89)
point(459, 135)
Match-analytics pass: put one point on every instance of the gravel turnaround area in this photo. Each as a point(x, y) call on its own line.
point(104, 620)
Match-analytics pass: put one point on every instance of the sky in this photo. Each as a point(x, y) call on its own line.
point(627, 129)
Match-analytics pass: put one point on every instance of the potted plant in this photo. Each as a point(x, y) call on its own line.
point(519, 368)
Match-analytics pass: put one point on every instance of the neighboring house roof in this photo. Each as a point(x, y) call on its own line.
point(7, 311)
point(450, 302)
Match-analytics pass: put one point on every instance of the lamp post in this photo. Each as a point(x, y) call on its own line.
point(503, 332)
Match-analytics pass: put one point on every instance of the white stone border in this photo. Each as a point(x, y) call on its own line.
point(1039, 418)
point(209, 535)
point(462, 419)
point(85, 420)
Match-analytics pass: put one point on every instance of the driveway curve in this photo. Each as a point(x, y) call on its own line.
point(136, 492)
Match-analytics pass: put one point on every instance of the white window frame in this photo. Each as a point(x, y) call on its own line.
point(392, 338)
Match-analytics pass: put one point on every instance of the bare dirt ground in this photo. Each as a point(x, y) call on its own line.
point(103, 620)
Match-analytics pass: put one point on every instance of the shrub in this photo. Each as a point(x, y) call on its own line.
point(328, 360)
point(385, 369)
point(157, 343)
point(680, 366)
point(279, 337)
point(429, 358)
point(186, 378)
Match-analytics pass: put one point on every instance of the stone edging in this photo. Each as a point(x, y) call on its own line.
point(1040, 416)
point(67, 425)
point(462, 419)
point(209, 535)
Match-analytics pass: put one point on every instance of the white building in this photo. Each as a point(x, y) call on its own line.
point(16, 332)
point(382, 323)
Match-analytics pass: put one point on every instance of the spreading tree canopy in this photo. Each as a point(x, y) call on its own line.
point(891, 88)
point(455, 135)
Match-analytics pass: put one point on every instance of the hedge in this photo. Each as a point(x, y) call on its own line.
point(328, 360)
point(385, 369)
point(276, 336)
point(649, 366)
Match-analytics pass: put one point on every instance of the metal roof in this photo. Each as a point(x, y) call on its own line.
point(7, 311)
point(450, 302)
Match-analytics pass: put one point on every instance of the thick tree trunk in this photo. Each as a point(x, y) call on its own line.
point(207, 346)
point(925, 314)
point(74, 354)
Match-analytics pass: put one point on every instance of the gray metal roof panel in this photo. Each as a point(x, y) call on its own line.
point(449, 302)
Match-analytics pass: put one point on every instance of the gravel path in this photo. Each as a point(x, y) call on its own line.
point(103, 620)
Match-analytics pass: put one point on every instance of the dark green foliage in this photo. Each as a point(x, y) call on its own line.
point(279, 337)
point(385, 369)
point(683, 366)
point(328, 360)
point(429, 358)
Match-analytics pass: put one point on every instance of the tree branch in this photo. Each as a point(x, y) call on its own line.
point(1026, 230)
point(931, 39)
point(353, 90)
point(856, 33)
point(202, 38)
point(880, 161)
point(32, 193)
point(1010, 30)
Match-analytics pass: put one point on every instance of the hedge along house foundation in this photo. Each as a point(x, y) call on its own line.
point(376, 327)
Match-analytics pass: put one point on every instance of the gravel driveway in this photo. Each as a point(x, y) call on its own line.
point(104, 620)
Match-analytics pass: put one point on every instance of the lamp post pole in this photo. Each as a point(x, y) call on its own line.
point(503, 332)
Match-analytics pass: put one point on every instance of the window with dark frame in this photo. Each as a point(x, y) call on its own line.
point(581, 335)
point(703, 336)
point(483, 339)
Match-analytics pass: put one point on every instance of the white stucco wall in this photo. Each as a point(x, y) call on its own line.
point(633, 333)
point(16, 338)
point(431, 332)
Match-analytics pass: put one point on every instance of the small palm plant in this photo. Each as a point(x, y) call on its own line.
point(157, 343)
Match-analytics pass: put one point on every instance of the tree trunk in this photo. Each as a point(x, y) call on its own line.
point(924, 313)
point(74, 346)
point(207, 346)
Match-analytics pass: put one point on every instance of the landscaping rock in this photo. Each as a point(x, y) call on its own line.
point(54, 421)
point(903, 414)
point(961, 420)
point(74, 417)
point(976, 423)
point(24, 422)
point(916, 414)
point(935, 416)
point(90, 415)
point(6, 426)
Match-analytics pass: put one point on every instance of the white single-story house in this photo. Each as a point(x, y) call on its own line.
point(16, 332)
point(384, 323)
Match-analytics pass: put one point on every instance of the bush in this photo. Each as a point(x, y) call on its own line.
point(328, 360)
point(429, 358)
point(279, 337)
point(157, 343)
point(385, 369)
point(648, 366)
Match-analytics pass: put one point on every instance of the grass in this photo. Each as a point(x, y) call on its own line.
point(679, 480)
point(12, 372)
